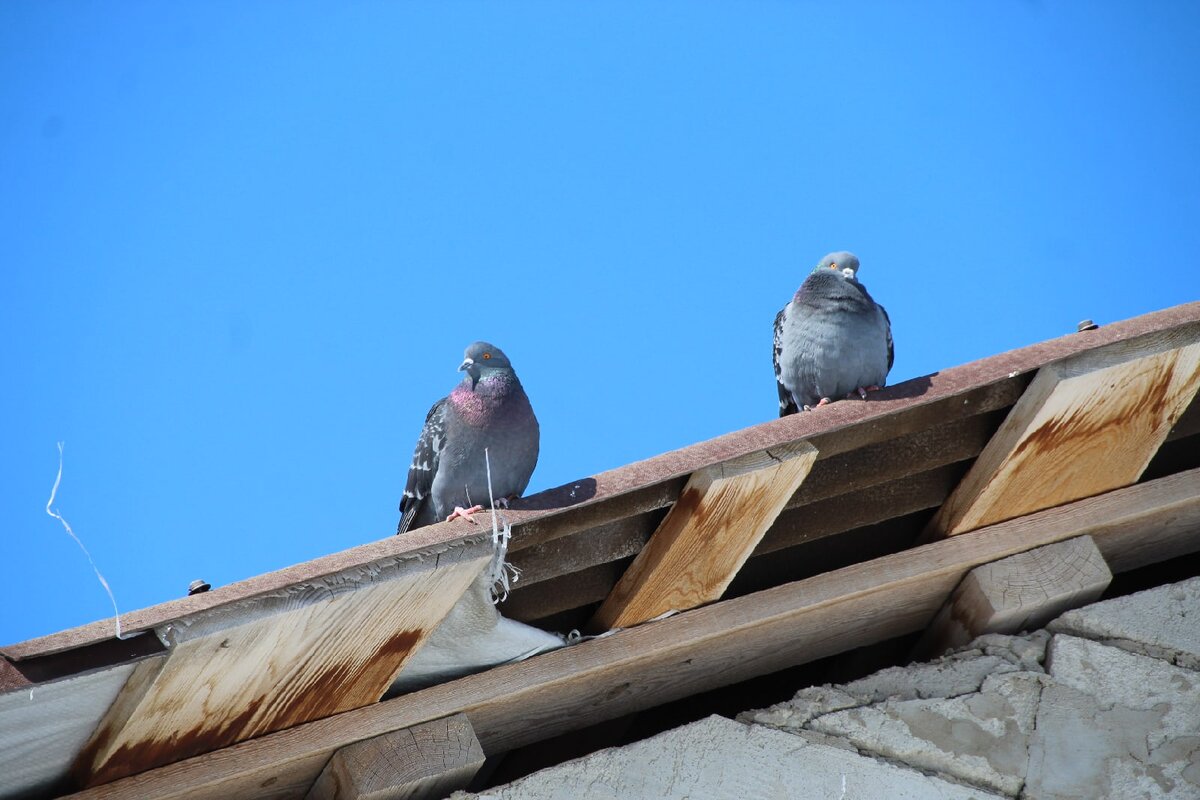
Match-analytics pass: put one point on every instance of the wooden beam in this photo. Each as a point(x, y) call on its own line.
point(306, 653)
point(1021, 592)
point(716, 645)
point(1085, 426)
point(424, 762)
point(708, 534)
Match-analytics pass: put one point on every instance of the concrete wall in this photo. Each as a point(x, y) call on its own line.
point(1104, 703)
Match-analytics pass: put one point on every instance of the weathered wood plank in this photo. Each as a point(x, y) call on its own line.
point(44, 726)
point(10, 677)
point(1085, 426)
point(307, 653)
point(1021, 592)
point(707, 536)
point(424, 762)
point(712, 646)
point(571, 554)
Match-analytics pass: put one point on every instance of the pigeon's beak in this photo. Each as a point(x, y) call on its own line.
point(468, 366)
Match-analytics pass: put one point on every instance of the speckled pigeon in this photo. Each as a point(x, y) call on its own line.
point(832, 340)
point(489, 409)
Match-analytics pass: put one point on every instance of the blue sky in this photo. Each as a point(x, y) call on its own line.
point(243, 245)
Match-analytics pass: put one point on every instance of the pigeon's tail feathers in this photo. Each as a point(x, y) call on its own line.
point(787, 403)
point(887, 324)
point(409, 507)
point(424, 465)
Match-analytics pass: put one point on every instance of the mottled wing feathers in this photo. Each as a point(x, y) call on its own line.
point(787, 404)
point(424, 465)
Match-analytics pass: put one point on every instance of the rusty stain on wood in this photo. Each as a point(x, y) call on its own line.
point(330, 650)
point(714, 526)
point(1082, 428)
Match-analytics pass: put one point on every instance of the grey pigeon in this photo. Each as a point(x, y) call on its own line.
point(832, 340)
point(489, 409)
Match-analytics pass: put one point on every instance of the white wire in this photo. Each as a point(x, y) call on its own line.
point(54, 513)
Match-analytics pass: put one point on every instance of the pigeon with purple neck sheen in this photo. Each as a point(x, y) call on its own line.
point(488, 410)
point(832, 340)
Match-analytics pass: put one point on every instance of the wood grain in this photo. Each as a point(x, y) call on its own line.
point(707, 536)
point(424, 762)
point(308, 653)
point(1084, 426)
point(716, 645)
point(1021, 592)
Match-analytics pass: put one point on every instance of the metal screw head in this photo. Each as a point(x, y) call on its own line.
point(1086, 325)
point(197, 586)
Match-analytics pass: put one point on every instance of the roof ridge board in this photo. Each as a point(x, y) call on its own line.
point(999, 380)
point(375, 559)
point(539, 509)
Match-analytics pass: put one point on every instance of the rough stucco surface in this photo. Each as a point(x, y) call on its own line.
point(1105, 703)
point(1172, 611)
point(1115, 724)
point(719, 759)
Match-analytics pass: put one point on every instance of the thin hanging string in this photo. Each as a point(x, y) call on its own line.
point(503, 574)
point(54, 513)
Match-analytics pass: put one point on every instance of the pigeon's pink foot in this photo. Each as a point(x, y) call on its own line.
point(465, 513)
point(824, 402)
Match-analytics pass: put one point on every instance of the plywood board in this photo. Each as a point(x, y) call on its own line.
point(306, 653)
point(708, 534)
point(1083, 427)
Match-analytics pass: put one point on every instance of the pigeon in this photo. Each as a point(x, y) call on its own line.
point(832, 340)
point(488, 410)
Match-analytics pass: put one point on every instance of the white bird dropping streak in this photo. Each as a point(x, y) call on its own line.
point(54, 513)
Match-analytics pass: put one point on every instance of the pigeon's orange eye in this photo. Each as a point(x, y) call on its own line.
point(833, 265)
point(486, 356)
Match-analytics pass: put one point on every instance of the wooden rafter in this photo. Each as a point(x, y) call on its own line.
point(708, 534)
point(1021, 592)
point(424, 762)
point(1085, 426)
point(275, 662)
point(722, 643)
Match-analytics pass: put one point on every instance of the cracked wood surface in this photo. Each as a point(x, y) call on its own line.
point(1021, 592)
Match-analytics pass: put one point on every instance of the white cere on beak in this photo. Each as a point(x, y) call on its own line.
point(849, 273)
